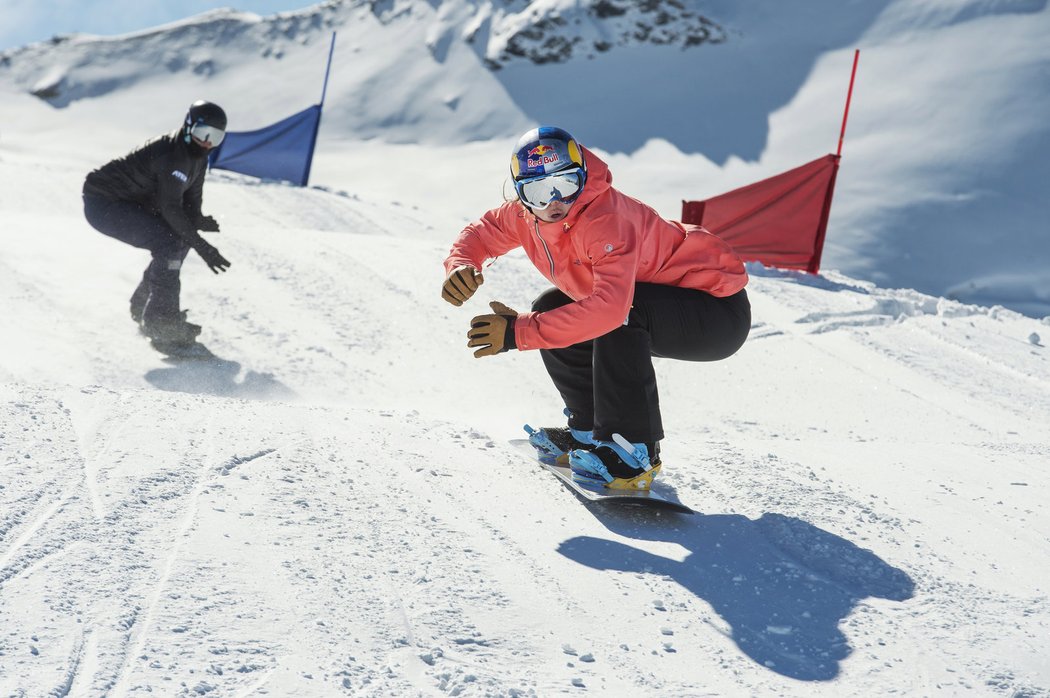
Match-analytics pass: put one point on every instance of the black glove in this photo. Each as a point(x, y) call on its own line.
point(215, 261)
point(461, 285)
point(493, 333)
point(208, 224)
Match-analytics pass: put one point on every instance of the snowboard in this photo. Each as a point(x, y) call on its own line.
point(598, 493)
point(190, 352)
point(195, 353)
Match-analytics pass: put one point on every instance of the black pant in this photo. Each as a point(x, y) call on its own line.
point(157, 297)
point(608, 383)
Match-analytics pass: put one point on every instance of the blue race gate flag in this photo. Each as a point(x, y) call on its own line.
point(283, 150)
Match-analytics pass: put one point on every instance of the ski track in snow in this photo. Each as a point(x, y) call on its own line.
point(45, 515)
point(144, 622)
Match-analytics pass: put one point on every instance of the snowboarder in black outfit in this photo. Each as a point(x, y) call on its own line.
point(151, 199)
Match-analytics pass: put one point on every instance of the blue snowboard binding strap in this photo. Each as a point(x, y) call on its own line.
point(548, 452)
point(637, 452)
point(588, 467)
point(557, 453)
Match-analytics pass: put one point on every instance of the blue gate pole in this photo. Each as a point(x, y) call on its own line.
point(320, 111)
point(328, 70)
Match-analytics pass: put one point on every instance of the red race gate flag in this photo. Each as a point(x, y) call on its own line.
point(780, 221)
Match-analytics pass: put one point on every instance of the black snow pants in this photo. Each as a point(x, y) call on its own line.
point(609, 384)
point(156, 299)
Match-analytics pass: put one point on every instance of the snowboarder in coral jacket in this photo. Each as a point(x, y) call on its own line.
point(628, 285)
point(151, 198)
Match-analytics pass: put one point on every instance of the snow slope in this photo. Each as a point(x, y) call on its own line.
point(335, 508)
point(942, 182)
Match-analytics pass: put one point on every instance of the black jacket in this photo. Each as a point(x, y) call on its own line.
point(166, 175)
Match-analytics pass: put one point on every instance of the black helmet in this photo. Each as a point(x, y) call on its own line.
point(207, 113)
point(206, 121)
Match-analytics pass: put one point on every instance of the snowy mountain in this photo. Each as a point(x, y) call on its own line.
point(336, 508)
point(504, 31)
point(941, 183)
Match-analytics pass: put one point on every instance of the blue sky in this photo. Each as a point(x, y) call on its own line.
point(25, 21)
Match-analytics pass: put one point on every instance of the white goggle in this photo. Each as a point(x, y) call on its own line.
point(539, 192)
point(207, 134)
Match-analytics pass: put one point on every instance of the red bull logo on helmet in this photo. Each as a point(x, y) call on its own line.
point(542, 155)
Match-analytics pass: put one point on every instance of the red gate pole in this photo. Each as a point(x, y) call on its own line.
point(849, 96)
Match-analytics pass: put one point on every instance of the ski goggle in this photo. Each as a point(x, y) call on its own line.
point(539, 192)
point(207, 134)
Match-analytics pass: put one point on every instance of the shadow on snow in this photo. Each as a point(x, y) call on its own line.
point(781, 584)
point(216, 376)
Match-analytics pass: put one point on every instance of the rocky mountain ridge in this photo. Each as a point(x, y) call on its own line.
point(501, 32)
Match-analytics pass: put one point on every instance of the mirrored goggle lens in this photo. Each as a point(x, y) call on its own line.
point(209, 134)
point(541, 191)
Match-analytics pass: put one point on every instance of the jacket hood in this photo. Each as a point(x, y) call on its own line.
point(599, 179)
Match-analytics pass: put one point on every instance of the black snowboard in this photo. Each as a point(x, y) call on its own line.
point(195, 353)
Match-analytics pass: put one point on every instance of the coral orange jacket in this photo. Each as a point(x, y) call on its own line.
point(606, 244)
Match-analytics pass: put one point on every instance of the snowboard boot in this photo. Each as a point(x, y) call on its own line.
point(617, 464)
point(553, 444)
point(138, 299)
point(171, 333)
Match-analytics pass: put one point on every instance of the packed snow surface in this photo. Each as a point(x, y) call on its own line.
point(334, 507)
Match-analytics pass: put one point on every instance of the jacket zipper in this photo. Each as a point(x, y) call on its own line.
point(550, 259)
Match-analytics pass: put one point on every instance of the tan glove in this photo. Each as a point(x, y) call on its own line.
point(493, 333)
point(461, 284)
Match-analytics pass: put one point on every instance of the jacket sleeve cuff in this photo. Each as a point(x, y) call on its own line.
point(521, 327)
